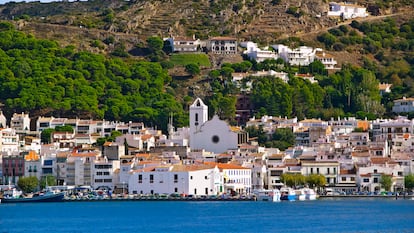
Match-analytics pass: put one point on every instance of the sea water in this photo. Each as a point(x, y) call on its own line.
point(335, 215)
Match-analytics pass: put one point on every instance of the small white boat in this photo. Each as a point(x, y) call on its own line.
point(300, 195)
point(287, 194)
point(268, 195)
point(310, 194)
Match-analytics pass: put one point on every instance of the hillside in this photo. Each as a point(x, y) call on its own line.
point(102, 55)
point(131, 22)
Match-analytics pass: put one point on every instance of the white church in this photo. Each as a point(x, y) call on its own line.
point(213, 135)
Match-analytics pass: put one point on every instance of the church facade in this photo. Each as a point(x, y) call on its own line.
point(213, 135)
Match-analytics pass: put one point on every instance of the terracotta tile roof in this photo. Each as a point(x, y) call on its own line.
point(141, 155)
point(84, 154)
point(222, 38)
point(222, 166)
point(183, 38)
point(323, 54)
point(276, 156)
point(360, 154)
point(384, 86)
point(146, 137)
point(291, 162)
point(32, 156)
point(347, 172)
point(193, 167)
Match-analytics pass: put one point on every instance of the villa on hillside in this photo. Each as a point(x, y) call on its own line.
point(184, 44)
point(403, 105)
point(346, 10)
point(222, 45)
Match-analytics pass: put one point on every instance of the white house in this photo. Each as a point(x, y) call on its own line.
point(282, 75)
point(326, 59)
point(20, 122)
point(403, 105)
point(257, 54)
point(347, 11)
point(103, 173)
point(3, 120)
point(237, 179)
point(9, 140)
point(184, 44)
point(195, 179)
point(301, 56)
point(223, 45)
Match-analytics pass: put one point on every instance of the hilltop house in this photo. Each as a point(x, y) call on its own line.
point(403, 105)
point(222, 45)
point(257, 54)
point(346, 11)
point(184, 44)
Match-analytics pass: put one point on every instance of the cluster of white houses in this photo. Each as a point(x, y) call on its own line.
point(301, 56)
point(209, 156)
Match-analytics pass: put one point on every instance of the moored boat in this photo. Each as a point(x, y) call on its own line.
point(268, 195)
point(42, 197)
point(287, 194)
point(300, 195)
point(310, 194)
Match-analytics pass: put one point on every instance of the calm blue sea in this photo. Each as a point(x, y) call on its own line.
point(342, 215)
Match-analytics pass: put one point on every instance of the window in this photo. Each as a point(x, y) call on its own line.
point(191, 177)
point(366, 180)
point(140, 178)
point(195, 191)
point(196, 117)
point(206, 191)
point(352, 178)
point(343, 179)
point(317, 170)
point(375, 180)
point(375, 171)
point(151, 178)
point(175, 178)
point(175, 189)
point(205, 177)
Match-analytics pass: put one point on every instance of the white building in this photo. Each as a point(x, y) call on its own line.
point(9, 141)
point(257, 54)
point(326, 59)
point(237, 179)
point(403, 105)
point(180, 179)
point(103, 173)
point(3, 120)
point(20, 122)
point(223, 45)
point(184, 44)
point(301, 56)
point(214, 135)
point(346, 11)
point(330, 169)
point(282, 75)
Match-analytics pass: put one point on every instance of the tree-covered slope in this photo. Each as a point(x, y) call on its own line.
point(39, 77)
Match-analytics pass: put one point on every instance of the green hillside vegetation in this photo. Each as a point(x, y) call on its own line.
point(39, 77)
point(201, 59)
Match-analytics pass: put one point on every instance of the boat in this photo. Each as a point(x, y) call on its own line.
point(268, 195)
point(287, 194)
point(14, 196)
point(300, 195)
point(310, 194)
